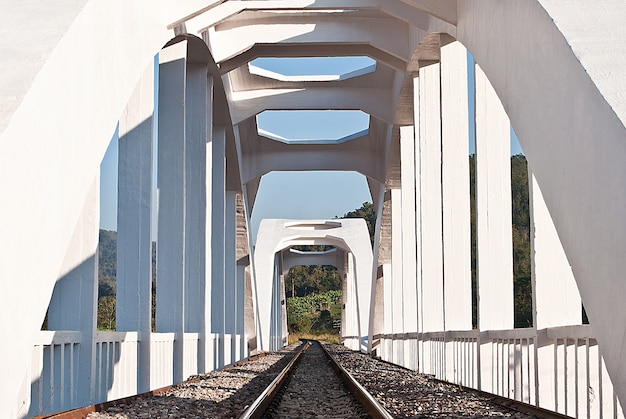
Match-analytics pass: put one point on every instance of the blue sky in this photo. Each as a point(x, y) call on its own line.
point(301, 195)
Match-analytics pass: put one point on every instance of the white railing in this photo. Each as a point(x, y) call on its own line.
point(559, 369)
point(161, 360)
point(53, 372)
point(61, 360)
point(190, 357)
point(115, 365)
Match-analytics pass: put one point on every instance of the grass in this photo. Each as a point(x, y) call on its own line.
point(324, 337)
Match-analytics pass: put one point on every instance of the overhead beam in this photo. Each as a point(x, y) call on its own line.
point(211, 16)
point(387, 34)
point(312, 50)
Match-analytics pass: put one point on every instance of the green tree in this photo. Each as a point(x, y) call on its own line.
point(368, 213)
point(520, 215)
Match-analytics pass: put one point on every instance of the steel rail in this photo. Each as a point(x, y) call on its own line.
point(83, 412)
point(260, 405)
point(359, 392)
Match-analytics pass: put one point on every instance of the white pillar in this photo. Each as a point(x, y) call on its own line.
point(171, 199)
point(74, 300)
point(551, 271)
point(455, 188)
point(493, 209)
point(494, 253)
point(218, 208)
point(230, 272)
point(397, 323)
point(134, 222)
point(409, 245)
point(386, 351)
point(352, 309)
point(195, 207)
point(551, 276)
point(206, 337)
point(430, 191)
point(417, 173)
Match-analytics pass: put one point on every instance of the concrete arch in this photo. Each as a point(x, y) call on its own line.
point(274, 236)
point(569, 116)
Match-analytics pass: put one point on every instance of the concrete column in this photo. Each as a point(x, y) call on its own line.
point(230, 290)
point(397, 312)
point(171, 199)
point(73, 305)
point(493, 223)
point(239, 308)
point(134, 222)
point(206, 337)
point(551, 276)
point(409, 245)
point(195, 206)
point(430, 190)
point(386, 351)
point(352, 329)
point(417, 173)
point(276, 310)
point(218, 211)
point(551, 271)
point(230, 273)
point(493, 205)
point(455, 188)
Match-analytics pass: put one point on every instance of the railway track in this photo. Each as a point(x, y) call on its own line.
point(314, 384)
point(298, 381)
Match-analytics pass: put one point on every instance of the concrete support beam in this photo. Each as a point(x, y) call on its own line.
point(409, 242)
point(551, 271)
point(134, 221)
point(206, 338)
point(432, 309)
point(171, 185)
point(74, 303)
point(196, 110)
point(417, 174)
point(551, 276)
point(397, 312)
point(230, 274)
point(218, 213)
point(493, 222)
point(455, 188)
point(493, 209)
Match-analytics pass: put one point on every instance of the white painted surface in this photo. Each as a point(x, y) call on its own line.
point(455, 188)
point(494, 241)
point(134, 221)
point(409, 241)
point(432, 310)
point(276, 235)
point(67, 89)
point(573, 138)
point(196, 132)
point(218, 231)
point(551, 272)
point(56, 121)
point(170, 286)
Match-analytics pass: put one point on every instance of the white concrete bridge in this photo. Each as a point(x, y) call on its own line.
point(74, 70)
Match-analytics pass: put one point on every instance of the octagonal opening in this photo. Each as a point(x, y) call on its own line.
point(302, 69)
point(313, 127)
